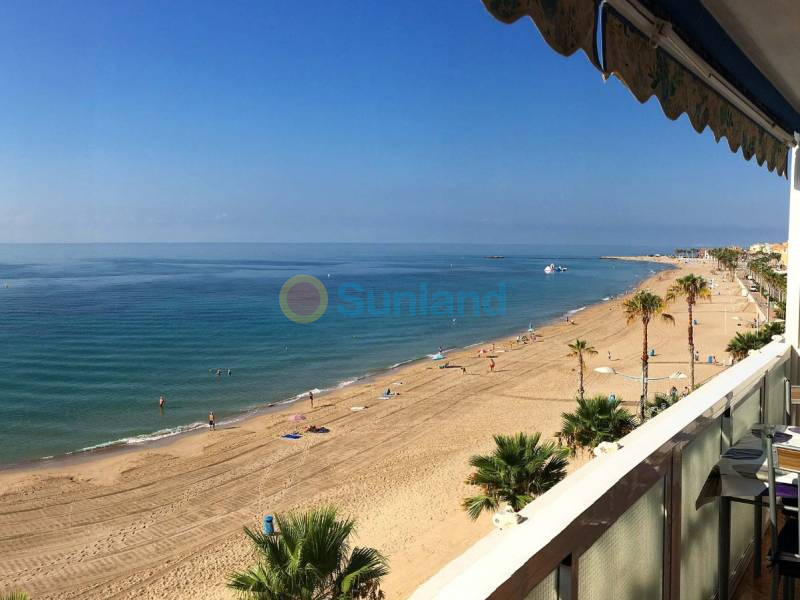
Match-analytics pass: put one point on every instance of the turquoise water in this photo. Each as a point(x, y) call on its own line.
point(91, 335)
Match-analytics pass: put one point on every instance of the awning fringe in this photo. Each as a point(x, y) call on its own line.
point(646, 70)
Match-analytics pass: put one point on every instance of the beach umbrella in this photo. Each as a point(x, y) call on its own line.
point(297, 418)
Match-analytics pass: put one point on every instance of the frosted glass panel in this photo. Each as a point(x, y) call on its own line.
point(699, 528)
point(745, 415)
point(626, 562)
point(776, 394)
point(546, 590)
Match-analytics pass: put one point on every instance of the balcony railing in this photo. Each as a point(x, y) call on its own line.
point(625, 525)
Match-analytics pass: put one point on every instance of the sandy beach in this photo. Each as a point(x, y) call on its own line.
point(166, 521)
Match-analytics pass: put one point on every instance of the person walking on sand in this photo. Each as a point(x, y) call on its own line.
point(609, 355)
point(491, 365)
point(311, 397)
point(211, 422)
point(161, 402)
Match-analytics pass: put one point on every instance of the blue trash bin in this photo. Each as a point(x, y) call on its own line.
point(651, 352)
point(268, 527)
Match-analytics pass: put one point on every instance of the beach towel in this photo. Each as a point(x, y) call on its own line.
point(291, 436)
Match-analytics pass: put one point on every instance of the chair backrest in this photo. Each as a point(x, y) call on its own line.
point(788, 458)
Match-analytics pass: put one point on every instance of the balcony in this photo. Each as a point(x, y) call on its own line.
point(626, 524)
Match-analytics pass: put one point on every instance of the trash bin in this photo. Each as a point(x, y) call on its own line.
point(268, 527)
point(651, 352)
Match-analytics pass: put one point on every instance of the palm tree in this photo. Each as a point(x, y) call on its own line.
point(742, 343)
point(767, 330)
point(693, 288)
point(595, 420)
point(310, 559)
point(579, 348)
point(644, 306)
point(660, 403)
point(519, 469)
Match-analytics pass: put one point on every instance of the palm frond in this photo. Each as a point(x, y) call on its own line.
point(365, 566)
point(308, 558)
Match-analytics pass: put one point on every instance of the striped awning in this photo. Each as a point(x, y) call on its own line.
point(650, 64)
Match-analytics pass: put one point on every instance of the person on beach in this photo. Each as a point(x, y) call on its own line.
point(161, 402)
point(211, 422)
point(685, 391)
point(609, 355)
point(673, 392)
point(491, 365)
point(311, 397)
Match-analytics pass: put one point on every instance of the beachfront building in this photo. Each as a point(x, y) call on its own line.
point(691, 253)
point(761, 247)
point(665, 516)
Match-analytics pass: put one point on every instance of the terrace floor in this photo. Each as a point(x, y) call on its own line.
point(758, 589)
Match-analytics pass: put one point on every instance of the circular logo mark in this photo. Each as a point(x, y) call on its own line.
point(303, 299)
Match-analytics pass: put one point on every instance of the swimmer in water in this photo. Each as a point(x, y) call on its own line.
point(211, 422)
point(161, 402)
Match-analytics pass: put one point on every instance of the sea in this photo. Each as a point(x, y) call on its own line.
point(91, 335)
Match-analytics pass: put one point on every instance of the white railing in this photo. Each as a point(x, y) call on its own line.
point(615, 497)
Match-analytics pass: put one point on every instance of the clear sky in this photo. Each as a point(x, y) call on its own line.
point(343, 121)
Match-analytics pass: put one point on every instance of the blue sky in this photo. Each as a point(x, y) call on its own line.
point(343, 121)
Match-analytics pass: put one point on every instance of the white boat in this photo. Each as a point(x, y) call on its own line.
point(552, 268)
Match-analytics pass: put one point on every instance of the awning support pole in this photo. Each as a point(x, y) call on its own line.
point(793, 268)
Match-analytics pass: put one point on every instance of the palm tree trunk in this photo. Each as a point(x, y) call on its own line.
point(580, 376)
point(691, 347)
point(645, 360)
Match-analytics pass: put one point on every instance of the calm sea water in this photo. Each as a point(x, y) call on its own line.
point(91, 335)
